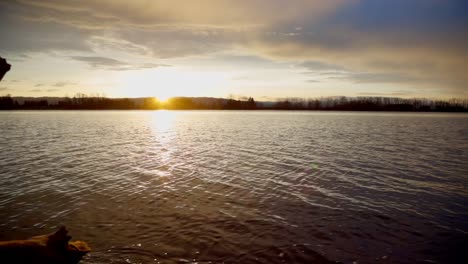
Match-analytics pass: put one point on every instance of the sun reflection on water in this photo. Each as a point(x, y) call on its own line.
point(162, 122)
point(162, 128)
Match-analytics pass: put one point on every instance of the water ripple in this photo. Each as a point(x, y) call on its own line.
point(239, 187)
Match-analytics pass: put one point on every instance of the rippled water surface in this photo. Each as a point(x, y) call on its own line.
point(239, 187)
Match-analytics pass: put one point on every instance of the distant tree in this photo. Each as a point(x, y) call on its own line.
point(251, 104)
point(180, 103)
point(7, 103)
point(98, 102)
point(151, 103)
point(35, 105)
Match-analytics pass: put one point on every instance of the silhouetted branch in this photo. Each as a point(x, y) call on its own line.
point(4, 67)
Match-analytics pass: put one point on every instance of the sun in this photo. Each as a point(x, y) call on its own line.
point(163, 98)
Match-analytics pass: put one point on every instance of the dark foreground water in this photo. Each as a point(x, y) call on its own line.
point(240, 187)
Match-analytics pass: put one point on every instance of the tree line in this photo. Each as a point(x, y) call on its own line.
point(84, 102)
point(343, 103)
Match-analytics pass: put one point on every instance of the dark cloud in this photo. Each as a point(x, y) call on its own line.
point(20, 35)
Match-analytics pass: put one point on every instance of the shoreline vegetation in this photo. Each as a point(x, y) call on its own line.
point(338, 103)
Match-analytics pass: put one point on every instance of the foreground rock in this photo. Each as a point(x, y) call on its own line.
point(54, 248)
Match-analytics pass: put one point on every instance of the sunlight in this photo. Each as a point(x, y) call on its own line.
point(166, 83)
point(162, 122)
point(162, 128)
point(163, 98)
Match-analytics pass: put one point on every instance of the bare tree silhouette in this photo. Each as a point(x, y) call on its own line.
point(4, 67)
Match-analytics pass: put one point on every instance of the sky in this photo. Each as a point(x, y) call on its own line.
point(267, 49)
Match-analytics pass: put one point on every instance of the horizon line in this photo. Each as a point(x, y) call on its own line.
point(241, 98)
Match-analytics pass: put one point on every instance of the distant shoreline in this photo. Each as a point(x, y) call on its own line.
point(355, 104)
point(225, 110)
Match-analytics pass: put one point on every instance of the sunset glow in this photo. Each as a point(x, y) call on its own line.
point(166, 83)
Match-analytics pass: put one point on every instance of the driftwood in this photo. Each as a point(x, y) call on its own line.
point(4, 67)
point(54, 248)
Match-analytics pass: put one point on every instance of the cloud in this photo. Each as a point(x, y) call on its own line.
point(166, 29)
point(113, 64)
point(335, 72)
point(56, 84)
point(2, 89)
point(12, 81)
point(320, 66)
point(97, 61)
point(63, 84)
point(43, 90)
point(420, 43)
point(380, 42)
point(420, 65)
point(241, 78)
point(216, 13)
point(370, 77)
point(381, 78)
point(36, 36)
point(388, 94)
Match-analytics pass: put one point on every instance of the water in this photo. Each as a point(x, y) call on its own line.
point(245, 187)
